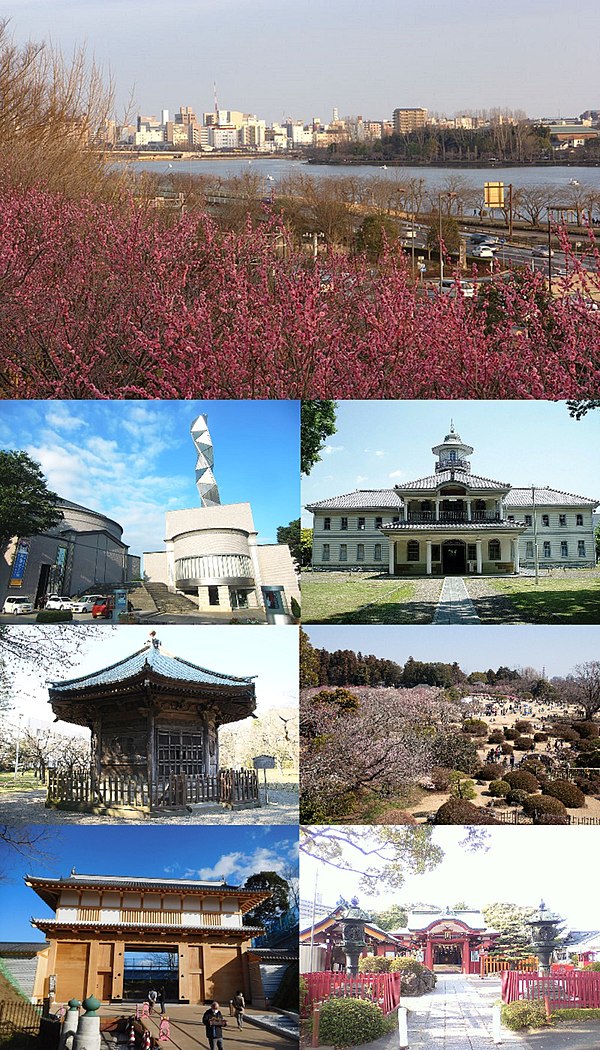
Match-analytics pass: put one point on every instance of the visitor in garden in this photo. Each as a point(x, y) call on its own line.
point(152, 998)
point(239, 1005)
point(161, 999)
point(214, 1022)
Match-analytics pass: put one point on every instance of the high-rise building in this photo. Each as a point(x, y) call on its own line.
point(406, 120)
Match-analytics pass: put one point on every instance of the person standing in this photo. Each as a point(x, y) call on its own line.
point(152, 998)
point(161, 999)
point(214, 1022)
point(239, 1005)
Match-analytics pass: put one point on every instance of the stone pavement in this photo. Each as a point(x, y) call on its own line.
point(455, 606)
point(457, 1016)
point(188, 1032)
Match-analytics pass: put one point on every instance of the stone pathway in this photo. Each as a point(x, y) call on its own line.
point(188, 1032)
point(457, 1016)
point(455, 606)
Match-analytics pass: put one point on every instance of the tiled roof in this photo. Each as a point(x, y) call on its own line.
point(545, 497)
point(169, 667)
point(360, 499)
point(56, 924)
point(454, 526)
point(461, 477)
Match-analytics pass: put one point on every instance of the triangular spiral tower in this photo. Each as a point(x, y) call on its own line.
point(205, 479)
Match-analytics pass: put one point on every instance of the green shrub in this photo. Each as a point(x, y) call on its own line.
point(440, 777)
point(507, 749)
point(374, 964)
point(532, 765)
point(498, 788)
point(569, 794)
point(461, 786)
point(523, 743)
point(497, 737)
point(350, 1022)
point(567, 733)
point(516, 796)
point(539, 738)
point(510, 734)
point(593, 966)
point(416, 978)
point(342, 698)
point(295, 609)
point(54, 616)
point(490, 771)
point(522, 1014)
point(588, 760)
point(543, 807)
point(459, 811)
point(475, 727)
point(588, 730)
point(521, 779)
point(456, 751)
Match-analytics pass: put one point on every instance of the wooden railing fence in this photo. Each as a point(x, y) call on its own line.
point(229, 786)
point(580, 988)
point(382, 989)
point(499, 963)
point(20, 1017)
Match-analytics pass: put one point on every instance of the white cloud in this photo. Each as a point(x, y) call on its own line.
point(360, 478)
point(61, 418)
point(330, 450)
point(397, 474)
point(236, 867)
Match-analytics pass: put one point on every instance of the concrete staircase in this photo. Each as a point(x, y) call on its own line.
point(166, 602)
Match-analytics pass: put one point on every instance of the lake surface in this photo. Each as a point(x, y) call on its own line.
point(278, 169)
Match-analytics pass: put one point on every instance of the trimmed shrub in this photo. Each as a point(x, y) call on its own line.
point(54, 616)
point(459, 811)
point(588, 730)
point(569, 794)
point(350, 1022)
point(510, 734)
point(523, 743)
point(589, 760)
point(440, 777)
point(416, 978)
point(523, 726)
point(394, 816)
point(540, 807)
point(516, 796)
point(498, 788)
point(456, 751)
point(475, 727)
point(374, 964)
point(593, 966)
point(523, 1014)
point(567, 733)
point(539, 738)
point(461, 786)
point(520, 778)
point(491, 771)
point(496, 737)
point(533, 765)
point(342, 698)
point(507, 749)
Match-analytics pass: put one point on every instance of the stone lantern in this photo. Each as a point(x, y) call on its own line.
point(353, 935)
point(544, 936)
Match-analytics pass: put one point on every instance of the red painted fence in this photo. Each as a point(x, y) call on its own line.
point(383, 989)
point(566, 988)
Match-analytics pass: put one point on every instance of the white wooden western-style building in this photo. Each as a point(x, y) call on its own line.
point(453, 522)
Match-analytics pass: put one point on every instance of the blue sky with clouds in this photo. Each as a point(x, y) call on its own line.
point(134, 460)
point(301, 58)
point(379, 444)
point(179, 852)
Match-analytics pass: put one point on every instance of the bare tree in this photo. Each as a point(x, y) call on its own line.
point(584, 688)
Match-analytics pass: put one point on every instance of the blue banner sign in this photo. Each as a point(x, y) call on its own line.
point(19, 564)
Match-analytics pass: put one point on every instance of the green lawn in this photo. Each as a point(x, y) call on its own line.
point(570, 599)
point(344, 597)
point(24, 782)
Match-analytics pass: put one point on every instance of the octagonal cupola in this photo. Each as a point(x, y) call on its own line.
point(452, 453)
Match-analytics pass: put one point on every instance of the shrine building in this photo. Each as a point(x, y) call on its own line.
point(444, 941)
point(154, 717)
point(115, 936)
point(453, 522)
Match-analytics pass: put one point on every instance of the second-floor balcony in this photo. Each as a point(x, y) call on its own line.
point(451, 517)
point(148, 916)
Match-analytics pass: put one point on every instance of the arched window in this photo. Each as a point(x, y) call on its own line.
point(494, 550)
point(412, 550)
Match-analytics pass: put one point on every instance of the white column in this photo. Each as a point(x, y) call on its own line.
point(428, 557)
point(392, 549)
point(468, 510)
point(479, 557)
point(517, 555)
point(501, 509)
point(437, 510)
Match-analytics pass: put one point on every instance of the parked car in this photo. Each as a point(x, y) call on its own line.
point(86, 603)
point(16, 606)
point(57, 601)
point(103, 608)
point(454, 288)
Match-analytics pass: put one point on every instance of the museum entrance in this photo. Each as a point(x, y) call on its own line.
point(447, 958)
point(148, 968)
point(454, 558)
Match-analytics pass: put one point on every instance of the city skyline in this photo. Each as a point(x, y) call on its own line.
point(479, 61)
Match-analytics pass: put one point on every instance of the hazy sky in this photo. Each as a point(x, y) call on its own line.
point(134, 460)
point(521, 866)
point(386, 443)
point(157, 852)
point(475, 648)
point(300, 58)
point(270, 655)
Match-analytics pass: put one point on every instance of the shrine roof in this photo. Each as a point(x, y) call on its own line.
point(49, 889)
point(48, 925)
point(546, 497)
point(170, 668)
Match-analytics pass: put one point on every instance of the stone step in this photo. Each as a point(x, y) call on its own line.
point(167, 601)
